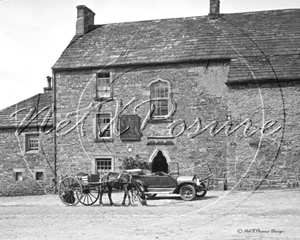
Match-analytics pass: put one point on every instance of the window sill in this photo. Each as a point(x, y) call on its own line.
point(104, 140)
point(103, 99)
point(133, 139)
point(157, 120)
point(32, 152)
point(39, 181)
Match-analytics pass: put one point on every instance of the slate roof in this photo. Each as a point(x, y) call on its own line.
point(23, 114)
point(260, 45)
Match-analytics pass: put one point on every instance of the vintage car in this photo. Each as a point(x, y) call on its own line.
point(155, 183)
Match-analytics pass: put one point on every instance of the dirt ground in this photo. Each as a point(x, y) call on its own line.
point(219, 215)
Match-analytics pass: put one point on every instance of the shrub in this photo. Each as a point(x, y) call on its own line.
point(137, 162)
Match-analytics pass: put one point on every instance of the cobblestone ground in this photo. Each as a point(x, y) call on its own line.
point(220, 215)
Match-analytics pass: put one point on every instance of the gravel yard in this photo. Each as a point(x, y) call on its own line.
point(219, 215)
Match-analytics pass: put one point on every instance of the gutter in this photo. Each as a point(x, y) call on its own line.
point(13, 127)
point(261, 81)
point(54, 124)
point(142, 64)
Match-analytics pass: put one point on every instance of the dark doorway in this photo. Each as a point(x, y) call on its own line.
point(159, 163)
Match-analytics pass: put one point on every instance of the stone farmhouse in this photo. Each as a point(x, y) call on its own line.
point(216, 96)
point(26, 157)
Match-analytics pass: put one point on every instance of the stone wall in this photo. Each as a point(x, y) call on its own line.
point(199, 91)
point(14, 159)
point(249, 139)
point(269, 158)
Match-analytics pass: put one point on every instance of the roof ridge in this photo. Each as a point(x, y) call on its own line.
point(262, 11)
point(27, 99)
point(193, 17)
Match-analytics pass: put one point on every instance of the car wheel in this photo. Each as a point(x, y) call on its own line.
point(187, 192)
point(201, 193)
point(150, 196)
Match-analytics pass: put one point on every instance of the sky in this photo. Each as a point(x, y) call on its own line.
point(34, 33)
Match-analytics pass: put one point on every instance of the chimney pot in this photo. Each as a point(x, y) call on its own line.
point(85, 18)
point(214, 9)
point(49, 81)
point(49, 88)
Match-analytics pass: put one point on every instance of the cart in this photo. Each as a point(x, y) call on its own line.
point(83, 188)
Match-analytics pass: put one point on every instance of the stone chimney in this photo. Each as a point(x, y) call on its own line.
point(85, 18)
point(49, 88)
point(214, 9)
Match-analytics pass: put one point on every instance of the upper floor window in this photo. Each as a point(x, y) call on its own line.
point(159, 96)
point(32, 142)
point(103, 126)
point(103, 86)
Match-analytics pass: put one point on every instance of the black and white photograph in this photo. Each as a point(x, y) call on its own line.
point(149, 119)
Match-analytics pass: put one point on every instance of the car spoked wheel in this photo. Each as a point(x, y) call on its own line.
point(187, 192)
point(202, 192)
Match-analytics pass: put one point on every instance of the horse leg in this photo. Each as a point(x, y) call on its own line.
point(124, 198)
point(130, 192)
point(109, 195)
point(102, 188)
point(129, 198)
point(126, 193)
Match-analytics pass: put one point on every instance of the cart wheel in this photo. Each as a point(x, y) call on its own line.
point(89, 195)
point(70, 191)
point(187, 192)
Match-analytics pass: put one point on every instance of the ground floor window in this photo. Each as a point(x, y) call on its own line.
point(39, 174)
point(104, 165)
point(18, 174)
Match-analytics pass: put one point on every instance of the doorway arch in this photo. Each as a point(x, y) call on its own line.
point(159, 160)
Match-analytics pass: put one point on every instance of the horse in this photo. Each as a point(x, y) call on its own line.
point(123, 181)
